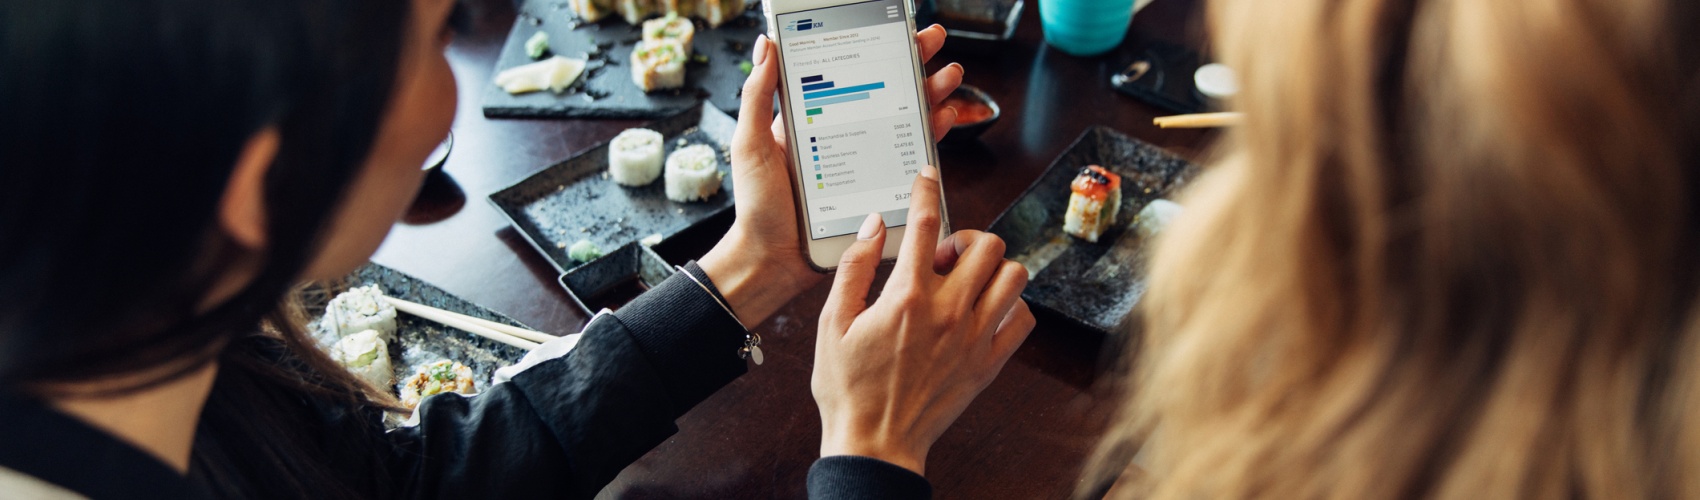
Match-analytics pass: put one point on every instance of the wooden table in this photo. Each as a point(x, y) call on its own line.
point(1025, 437)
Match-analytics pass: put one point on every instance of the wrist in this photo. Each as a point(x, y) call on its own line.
point(747, 278)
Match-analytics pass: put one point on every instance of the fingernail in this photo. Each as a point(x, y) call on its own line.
point(760, 52)
point(930, 172)
point(870, 227)
point(960, 69)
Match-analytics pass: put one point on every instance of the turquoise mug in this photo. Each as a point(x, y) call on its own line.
point(1087, 27)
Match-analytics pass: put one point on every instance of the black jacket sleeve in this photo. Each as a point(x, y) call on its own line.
point(566, 427)
point(852, 477)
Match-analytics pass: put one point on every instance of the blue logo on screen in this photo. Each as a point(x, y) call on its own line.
point(804, 25)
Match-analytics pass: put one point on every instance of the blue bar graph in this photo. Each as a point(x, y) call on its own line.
point(835, 100)
point(818, 92)
point(844, 90)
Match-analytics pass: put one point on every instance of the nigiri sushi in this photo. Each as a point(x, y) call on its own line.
point(658, 64)
point(693, 173)
point(1097, 196)
point(436, 378)
point(635, 156)
point(672, 27)
point(368, 356)
point(359, 309)
point(1156, 216)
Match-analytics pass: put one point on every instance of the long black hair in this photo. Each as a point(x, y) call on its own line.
point(120, 124)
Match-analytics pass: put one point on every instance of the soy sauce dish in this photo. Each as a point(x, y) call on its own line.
point(976, 111)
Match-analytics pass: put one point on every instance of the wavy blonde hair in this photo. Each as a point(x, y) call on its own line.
point(1450, 253)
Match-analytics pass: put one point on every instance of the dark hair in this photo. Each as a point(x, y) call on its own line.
point(123, 120)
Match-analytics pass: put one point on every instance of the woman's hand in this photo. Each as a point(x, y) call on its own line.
point(890, 377)
point(759, 265)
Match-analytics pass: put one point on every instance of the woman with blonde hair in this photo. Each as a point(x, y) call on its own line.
point(1450, 253)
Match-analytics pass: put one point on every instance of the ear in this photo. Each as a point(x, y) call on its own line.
point(242, 210)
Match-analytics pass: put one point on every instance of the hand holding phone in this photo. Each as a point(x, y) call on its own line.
point(854, 99)
point(760, 265)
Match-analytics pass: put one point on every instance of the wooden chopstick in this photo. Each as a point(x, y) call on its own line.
point(1200, 120)
point(506, 334)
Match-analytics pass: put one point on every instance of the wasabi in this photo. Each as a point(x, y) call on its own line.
point(537, 45)
point(584, 251)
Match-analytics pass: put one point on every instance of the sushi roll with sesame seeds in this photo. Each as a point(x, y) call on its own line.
point(672, 27)
point(658, 64)
point(693, 173)
point(367, 356)
point(1097, 196)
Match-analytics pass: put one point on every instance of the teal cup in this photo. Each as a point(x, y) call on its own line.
point(1086, 27)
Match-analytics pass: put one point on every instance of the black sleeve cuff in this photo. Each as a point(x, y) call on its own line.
point(852, 477)
point(692, 342)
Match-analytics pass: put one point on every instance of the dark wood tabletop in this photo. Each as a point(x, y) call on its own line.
point(1026, 436)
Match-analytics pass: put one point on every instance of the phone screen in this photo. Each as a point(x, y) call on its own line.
point(855, 117)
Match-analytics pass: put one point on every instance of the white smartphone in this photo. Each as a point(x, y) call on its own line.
point(852, 98)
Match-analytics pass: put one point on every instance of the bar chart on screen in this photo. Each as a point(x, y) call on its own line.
point(818, 93)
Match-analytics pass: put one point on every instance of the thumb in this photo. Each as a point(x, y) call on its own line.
point(755, 113)
point(849, 296)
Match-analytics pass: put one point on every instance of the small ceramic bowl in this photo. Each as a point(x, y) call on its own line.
point(968, 96)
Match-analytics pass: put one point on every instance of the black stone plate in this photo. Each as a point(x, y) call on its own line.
point(605, 90)
point(1094, 285)
point(421, 342)
point(573, 200)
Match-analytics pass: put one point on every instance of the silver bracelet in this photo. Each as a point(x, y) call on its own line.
point(752, 341)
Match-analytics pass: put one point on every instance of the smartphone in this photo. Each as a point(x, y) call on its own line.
point(852, 99)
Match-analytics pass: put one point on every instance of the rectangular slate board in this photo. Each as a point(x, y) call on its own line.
point(420, 342)
point(1093, 285)
point(605, 90)
point(572, 200)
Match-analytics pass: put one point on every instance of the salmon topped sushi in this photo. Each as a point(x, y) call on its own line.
point(1096, 198)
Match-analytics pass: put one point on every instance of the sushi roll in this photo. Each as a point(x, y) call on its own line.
point(671, 27)
point(368, 356)
point(1093, 206)
point(360, 309)
point(436, 378)
point(1156, 216)
point(658, 64)
point(634, 156)
point(717, 12)
point(693, 173)
point(681, 8)
point(589, 11)
point(634, 10)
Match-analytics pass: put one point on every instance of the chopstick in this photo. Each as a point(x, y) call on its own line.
point(1199, 120)
point(506, 334)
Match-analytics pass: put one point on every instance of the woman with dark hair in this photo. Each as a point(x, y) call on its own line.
point(170, 170)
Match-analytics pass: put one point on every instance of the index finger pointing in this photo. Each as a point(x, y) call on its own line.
point(921, 236)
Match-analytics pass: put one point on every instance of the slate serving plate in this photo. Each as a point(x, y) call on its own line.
point(572, 200)
point(605, 90)
point(421, 342)
point(1093, 285)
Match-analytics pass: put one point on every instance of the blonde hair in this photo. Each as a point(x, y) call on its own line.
point(1451, 253)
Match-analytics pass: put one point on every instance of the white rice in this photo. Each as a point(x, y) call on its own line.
point(634, 156)
point(693, 173)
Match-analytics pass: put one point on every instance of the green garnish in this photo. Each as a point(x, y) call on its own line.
point(700, 57)
point(584, 251)
point(442, 371)
point(746, 67)
point(537, 45)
